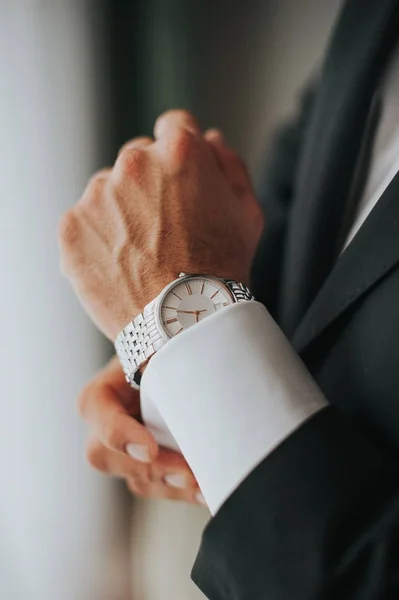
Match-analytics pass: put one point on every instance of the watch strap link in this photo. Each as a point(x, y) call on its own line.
point(239, 290)
point(137, 342)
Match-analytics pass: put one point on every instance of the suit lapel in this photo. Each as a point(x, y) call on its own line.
point(372, 254)
point(354, 63)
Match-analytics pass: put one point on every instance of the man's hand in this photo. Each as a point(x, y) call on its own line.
point(121, 446)
point(180, 203)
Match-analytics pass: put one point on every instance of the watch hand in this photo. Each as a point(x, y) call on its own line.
point(192, 312)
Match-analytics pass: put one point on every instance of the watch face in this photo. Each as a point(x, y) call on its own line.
point(190, 301)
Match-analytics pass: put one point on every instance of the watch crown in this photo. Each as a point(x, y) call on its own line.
point(182, 274)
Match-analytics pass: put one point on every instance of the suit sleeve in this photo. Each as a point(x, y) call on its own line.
point(317, 519)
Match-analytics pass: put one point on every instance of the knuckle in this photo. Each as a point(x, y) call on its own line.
point(68, 229)
point(140, 472)
point(184, 114)
point(180, 114)
point(164, 118)
point(137, 486)
point(135, 143)
point(183, 144)
point(96, 456)
point(131, 162)
point(95, 187)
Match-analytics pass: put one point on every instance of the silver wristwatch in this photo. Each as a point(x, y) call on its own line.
point(181, 304)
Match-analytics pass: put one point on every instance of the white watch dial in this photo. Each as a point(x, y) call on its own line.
point(191, 301)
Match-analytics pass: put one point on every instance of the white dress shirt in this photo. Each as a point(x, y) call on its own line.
point(229, 390)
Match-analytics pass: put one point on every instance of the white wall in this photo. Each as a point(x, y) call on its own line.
point(59, 524)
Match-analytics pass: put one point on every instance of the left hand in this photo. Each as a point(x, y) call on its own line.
point(181, 202)
point(121, 446)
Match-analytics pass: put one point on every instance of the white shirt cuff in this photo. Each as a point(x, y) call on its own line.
point(226, 392)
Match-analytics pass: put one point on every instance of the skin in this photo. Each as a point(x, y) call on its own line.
point(182, 201)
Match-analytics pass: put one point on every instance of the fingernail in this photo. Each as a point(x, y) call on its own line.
point(200, 498)
point(176, 480)
point(216, 133)
point(138, 452)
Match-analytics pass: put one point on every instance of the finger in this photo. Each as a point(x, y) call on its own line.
point(132, 160)
point(95, 185)
point(172, 469)
point(167, 469)
point(230, 163)
point(139, 487)
point(107, 403)
point(139, 142)
point(173, 120)
point(113, 375)
point(115, 464)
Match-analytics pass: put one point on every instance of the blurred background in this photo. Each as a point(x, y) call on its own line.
point(77, 79)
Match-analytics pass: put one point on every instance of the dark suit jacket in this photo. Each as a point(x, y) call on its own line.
point(319, 517)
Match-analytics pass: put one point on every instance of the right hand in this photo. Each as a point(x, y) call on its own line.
point(179, 202)
point(122, 447)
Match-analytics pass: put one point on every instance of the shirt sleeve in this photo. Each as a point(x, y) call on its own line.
point(226, 392)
